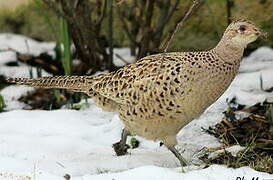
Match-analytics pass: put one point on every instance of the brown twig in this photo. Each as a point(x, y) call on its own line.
point(76, 4)
point(121, 58)
point(125, 27)
point(227, 123)
point(147, 29)
point(119, 2)
point(166, 17)
point(178, 24)
point(103, 13)
point(110, 34)
point(229, 4)
point(53, 7)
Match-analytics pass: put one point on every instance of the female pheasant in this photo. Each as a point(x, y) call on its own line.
point(159, 94)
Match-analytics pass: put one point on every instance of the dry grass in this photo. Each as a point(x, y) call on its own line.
point(251, 128)
point(250, 156)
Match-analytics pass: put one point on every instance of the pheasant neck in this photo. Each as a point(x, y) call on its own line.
point(229, 51)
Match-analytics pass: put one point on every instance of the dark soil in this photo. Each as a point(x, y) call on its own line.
point(49, 99)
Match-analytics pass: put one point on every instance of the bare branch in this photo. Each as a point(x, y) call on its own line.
point(119, 2)
point(126, 28)
point(149, 13)
point(53, 6)
point(100, 19)
point(229, 4)
point(110, 34)
point(165, 45)
point(76, 4)
point(122, 59)
point(173, 9)
point(163, 21)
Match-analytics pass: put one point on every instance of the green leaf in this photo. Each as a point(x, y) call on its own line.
point(134, 142)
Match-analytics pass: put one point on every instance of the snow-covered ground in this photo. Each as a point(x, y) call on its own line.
point(46, 145)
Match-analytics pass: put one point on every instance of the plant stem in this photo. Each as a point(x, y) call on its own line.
point(65, 49)
point(110, 34)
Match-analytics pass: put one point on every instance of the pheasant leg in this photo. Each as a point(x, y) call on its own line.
point(121, 147)
point(182, 161)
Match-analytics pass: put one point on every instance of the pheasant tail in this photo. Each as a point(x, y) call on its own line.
point(74, 83)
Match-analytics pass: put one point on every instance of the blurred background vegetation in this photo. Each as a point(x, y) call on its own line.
point(202, 31)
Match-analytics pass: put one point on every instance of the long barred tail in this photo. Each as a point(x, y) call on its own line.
point(74, 83)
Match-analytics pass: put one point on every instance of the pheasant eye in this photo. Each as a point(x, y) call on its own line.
point(242, 28)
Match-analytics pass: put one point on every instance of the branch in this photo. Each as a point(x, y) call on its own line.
point(229, 4)
point(76, 4)
point(119, 2)
point(142, 10)
point(162, 23)
point(173, 10)
point(149, 13)
point(53, 6)
point(67, 8)
point(110, 34)
point(122, 59)
point(125, 27)
point(179, 22)
point(103, 13)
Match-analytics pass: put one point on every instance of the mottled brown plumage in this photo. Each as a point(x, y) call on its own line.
point(159, 94)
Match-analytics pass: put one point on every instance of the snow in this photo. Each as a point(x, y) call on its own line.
point(125, 54)
point(214, 172)
point(25, 45)
point(260, 59)
point(233, 150)
point(11, 43)
point(43, 145)
point(11, 95)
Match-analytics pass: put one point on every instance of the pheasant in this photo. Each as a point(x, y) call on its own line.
point(159, 94)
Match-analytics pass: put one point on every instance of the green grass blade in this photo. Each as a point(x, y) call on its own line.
point(65, 48)
point(2, 104)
